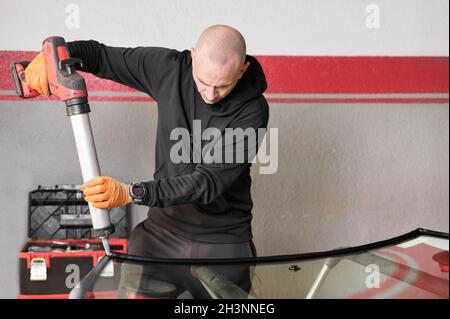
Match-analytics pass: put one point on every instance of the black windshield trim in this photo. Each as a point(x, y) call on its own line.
point(282, 258)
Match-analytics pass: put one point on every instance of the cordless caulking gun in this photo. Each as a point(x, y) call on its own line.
point(67, 85)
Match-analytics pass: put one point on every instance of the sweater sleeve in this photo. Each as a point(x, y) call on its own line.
point(140, 68)
point(208, 181)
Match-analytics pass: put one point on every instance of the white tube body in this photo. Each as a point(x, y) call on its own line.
point(87, 156)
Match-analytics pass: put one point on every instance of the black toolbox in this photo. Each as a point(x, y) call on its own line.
point(60, 251)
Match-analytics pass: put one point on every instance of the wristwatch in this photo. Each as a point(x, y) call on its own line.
point(137, 191)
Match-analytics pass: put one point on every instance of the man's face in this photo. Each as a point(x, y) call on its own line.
point(215, 81)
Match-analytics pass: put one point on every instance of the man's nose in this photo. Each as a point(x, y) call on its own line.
point(210, 93)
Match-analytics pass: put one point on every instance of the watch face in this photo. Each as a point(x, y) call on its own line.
point(137, 190)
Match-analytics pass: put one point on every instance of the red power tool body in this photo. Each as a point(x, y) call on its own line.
point(63, 81)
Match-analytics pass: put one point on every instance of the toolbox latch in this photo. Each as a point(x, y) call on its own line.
point(38, 269)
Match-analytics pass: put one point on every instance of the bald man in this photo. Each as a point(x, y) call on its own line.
point(198, 209)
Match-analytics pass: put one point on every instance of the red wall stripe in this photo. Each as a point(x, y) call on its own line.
point(356, 74)
point(314, 74)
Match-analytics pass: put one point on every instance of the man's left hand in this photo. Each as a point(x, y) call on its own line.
point(106, 192)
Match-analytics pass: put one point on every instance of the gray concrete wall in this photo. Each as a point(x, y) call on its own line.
point(352, 174)
point(348, 173)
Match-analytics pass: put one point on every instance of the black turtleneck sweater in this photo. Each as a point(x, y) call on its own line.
point(207, 202)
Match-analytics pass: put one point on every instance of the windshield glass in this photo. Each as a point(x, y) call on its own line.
point(414, 267)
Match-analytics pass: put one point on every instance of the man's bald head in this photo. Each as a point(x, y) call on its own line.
point(218, 62)
point(220, 43)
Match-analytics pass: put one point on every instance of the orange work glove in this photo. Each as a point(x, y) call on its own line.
point(106, 192)
point(36, 75)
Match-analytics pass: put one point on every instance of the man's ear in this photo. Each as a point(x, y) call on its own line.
point(192, 52)
point(243, 69)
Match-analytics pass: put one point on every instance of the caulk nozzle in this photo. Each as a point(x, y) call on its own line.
point(106, 246)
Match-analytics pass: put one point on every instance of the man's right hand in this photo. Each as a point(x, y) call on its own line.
point(36, 75)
